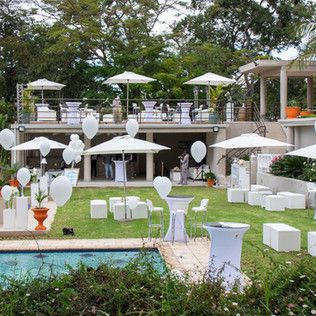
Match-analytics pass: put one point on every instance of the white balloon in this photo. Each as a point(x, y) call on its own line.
point(132, 202)
point(73, 144)
point(6, 192)
point(68, 155)
point(131, 127)
point(24, 176)
point(7, 138)
point(61, 190)
point(198, 151)
point(78, 159)
point(45, 148)
point(156, 180)
point(163, 186)
point(74, 137)
point(90, 126)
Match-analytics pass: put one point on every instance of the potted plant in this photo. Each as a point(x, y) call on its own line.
point(28, 101)
point(292, 110)
point(306, 112)
point(40, 212)
point(11, 172)
point(215, 94)
point(210, 178)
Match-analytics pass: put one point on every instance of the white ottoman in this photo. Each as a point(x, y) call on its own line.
point(275, 203)
point(236, 195)
point(293, 200)
point(112, 201)
point(98, 209)
point(254, 198)
point(311, 242)
point(282, 237)
point(263, 195)
point(140, 211)
point(119, 211)
point(258, 187)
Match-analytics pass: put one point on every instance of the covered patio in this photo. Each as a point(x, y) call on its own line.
point(285, 70)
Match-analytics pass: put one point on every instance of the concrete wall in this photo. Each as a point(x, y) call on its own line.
point(304, 136)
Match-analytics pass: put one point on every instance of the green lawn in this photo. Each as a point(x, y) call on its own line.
point(76, 214)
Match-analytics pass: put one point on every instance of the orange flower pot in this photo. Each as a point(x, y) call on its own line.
point(210, 182)
point(292, 112)
point(14, 183)
point(306, 113)
point(40, 214)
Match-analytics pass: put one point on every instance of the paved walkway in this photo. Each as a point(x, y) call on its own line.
point(191, 258)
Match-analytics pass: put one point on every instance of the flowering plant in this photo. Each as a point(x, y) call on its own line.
point(15, 192)
point(34, 175)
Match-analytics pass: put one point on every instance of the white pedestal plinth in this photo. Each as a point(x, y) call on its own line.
point(43, 184)
point(120, 171)
point(9, 218)
point(21, 220)
point(226, 245)
point(34, 190)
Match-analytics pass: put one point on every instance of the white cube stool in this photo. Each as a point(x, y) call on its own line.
point(112, 201)
point(293, 200)
point(236, 195)
point(263, 195)
point(282, 237)
point(311, 242)
point(258, 187)
point(98, 209)
point(140, 211)
point(275, 203)
point(119, 211)
point(254, 198)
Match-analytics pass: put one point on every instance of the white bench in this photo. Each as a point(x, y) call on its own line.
point(258, 187)
point(275, 203)
point(311, 242)
point(98, 209)
point(236, 195)
point(281, 237)
point(293, 200)
point(112, 201)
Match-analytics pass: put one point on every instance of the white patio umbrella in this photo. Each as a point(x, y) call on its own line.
point(44, 84)
point(250, 140)
point(128, 77)
point(307, 152)
point(125, 145)
point(35, 144)
point(210, 79)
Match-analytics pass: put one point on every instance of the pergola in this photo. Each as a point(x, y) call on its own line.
point(283, 69)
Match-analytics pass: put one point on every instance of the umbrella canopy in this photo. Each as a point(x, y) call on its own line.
point(210, 79)
point(128, 77)
point(250, 140)
point(307, 152)
point(125, 144)
point(44, 84)
point(35, 144)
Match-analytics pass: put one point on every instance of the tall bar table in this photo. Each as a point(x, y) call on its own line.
point(226, 245)
point(149, 110)
point(185, 113)
point(73, 113)
point(120, 171)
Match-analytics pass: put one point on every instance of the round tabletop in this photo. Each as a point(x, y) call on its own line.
point(180, 196)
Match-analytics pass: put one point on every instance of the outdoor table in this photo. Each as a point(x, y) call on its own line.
point(149, 110)
point(120, 171)
point(178, 202)
point(185, 113)
point(73, 113)
point(226, 243)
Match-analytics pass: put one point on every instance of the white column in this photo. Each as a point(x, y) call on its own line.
point(310, 92)
point(87, 161)
point(149, 160)
point(263, 96)
point(283, 91)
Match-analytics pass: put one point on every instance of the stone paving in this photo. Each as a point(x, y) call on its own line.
point(191, 258)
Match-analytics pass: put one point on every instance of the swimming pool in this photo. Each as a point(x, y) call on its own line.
point(18, 264)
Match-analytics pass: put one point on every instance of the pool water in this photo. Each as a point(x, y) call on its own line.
point(31, 263)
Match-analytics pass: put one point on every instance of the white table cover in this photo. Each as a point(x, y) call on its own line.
point(149, 110)
point(178, 202)
point(73, 113)
point(119, 170)
point(185, 113)
point(226, 245)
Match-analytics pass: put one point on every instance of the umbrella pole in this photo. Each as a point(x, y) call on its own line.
point(41, 167)
point(249, 169)
point(42, 96)
point(127, 100)
point(124, 182)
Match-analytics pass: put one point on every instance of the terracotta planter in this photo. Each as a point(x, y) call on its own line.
point(306, 112)
point(40, 214)
point(292, 111)
point(14, 183)
point(210, 182)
